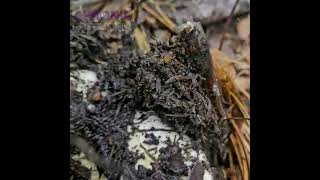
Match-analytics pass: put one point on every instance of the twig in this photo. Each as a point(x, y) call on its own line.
point(242, 108)
point(178, 115)
point(148, 130)
point(236, 150)
point(147, 152)
point(178, 77)
point(165, 21)
point(227, 24)
point(136, 10)
point(153, 149)
point(130, 172)
point(237, 118)
point(121, 131)
point(219, 99)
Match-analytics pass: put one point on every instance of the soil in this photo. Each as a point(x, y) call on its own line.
point(176, 90)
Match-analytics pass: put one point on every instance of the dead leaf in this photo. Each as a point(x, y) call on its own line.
point(224, 69)
point(141, 40)
point(161, 17)
point(243, 82)
point(114, 47)
point(247, 59)
point(243, 28)
point(167, 58)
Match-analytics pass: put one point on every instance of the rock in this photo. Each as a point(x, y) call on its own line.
point(207, 11)
point(82, 80)
point(91, 108)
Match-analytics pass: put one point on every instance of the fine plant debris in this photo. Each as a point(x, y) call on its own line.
point(125, 84)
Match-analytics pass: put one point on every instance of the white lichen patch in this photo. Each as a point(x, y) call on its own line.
point(162, 132)
point(86, 163)
point(82, 80)
point(207, 175)
point(136, 140)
